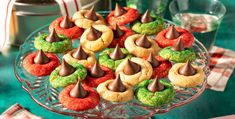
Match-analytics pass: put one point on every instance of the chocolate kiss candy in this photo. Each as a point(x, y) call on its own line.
point(66, 69)
point(117, 53)
point(116, 85)
point(80, 54)
point(119, 10)
point(172, 33)
point(66, 23)
point(91, 14)
point(78, 91)
point(131, 68)
point(178, 46)
point(52, 37)
point(96, 70)
point(41, 58)
point(118, 32)
point(187, 69)
point(146, 18)
point(143, 42)
point(153, 61)
point(155, 85)
point(93, 34)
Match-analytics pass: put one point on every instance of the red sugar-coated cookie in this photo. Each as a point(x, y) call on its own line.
point(71, 33)
point(94, 82)
point(78, 104)
point(121, 40)
point(40, 69)
point(130, 16)
point(162, 70)
point(185, 36)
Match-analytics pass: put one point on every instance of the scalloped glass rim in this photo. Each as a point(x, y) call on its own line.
point(105, 107)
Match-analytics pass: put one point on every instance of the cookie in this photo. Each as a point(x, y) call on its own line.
point(140, 50)
point(105, 60)
point(86, 18)
point(58, 80)
point(96, 77)
point(121, 93)
point(154, 98)
point(63, 25)
point(122, 15)
point(41, 66)
point(81, 56)
point(178, 53)
point(160, 66)
point(73, 102)
point(145, 71)
point(53, 43)
point(148, 25)
point(96, 38)
point(120, 34)
point(186, 81)
point(170, 36)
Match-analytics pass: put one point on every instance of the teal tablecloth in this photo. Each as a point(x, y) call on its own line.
point(209, 104)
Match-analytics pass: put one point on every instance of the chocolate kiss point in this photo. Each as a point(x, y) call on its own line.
point(187, 69)
point(143, 42)
point(117, 53)
point(66, 69)
point(178, 46)
point(41, 58)
point(172, 33)
point(118, 32)
point(96, 70)
point(152, 60)
point(93, 34)
point(146, 18)
point(80, 54)
point(53, 37)
point(131, 68)
point(155, 85)
point(66, 23)
point(116, 85)
point(78, 91)
point(91, 14)
point(119, 10)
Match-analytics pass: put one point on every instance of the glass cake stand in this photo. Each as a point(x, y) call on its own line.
point(42, 93)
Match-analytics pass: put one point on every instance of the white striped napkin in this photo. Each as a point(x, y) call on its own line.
point(16, 111)
point(222, 64)
point(67, 7)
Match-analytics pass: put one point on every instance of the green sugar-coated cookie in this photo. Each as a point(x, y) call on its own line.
point(178, 56)
point(65, 44)
point(62, 81)
point(105, 60)
point(154, 98)
point(148, 28)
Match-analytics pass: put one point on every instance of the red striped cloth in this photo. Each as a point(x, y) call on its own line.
point(67, 7)
point(222, 64)
point(16, 111)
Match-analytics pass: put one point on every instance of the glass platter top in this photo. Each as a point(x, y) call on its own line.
point(42, 93)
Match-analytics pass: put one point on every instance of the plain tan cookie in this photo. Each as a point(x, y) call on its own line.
point(99, 44)
point(140, 51)
point(85, 23)
point(91, 59)
point(105, 93)
point(185, 81)
point(132, 80)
